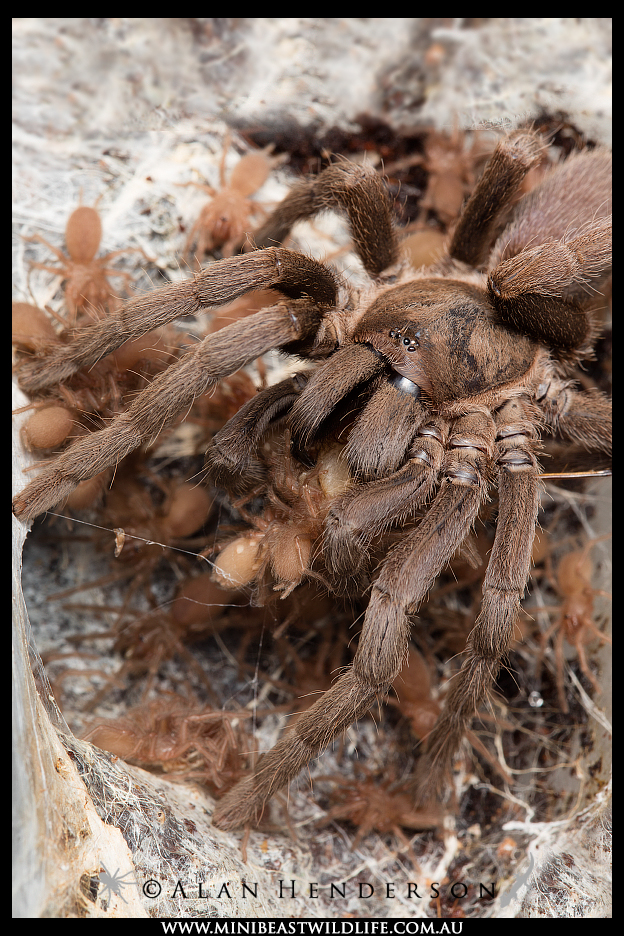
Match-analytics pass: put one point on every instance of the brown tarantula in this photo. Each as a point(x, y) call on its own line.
point(441, 382)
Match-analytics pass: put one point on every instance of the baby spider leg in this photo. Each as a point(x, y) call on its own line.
point(404, 580)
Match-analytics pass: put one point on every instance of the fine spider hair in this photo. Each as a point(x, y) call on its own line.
point(437, 385)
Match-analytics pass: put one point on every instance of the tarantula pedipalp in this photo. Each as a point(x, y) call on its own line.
point(440, 381)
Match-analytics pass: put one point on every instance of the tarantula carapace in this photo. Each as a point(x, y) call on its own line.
point(437, 384)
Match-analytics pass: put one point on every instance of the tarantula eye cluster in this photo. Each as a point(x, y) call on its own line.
point(423, 392)
point(410, 343)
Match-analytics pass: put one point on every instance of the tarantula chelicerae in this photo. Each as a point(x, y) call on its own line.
point(441, 382)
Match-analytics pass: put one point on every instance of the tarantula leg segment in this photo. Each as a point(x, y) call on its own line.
point(348, 700)
point(504, 584)
point(173, 391)
point(358, 190)
point(368, 510)
point(405, 579)
point(582, 416)
point(551, 260)
point(568, 201)
point(511, 161)
point(231, 456)
point(290, 272)
point(538, 291)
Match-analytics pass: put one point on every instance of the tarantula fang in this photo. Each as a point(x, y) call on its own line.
point(441, 382)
